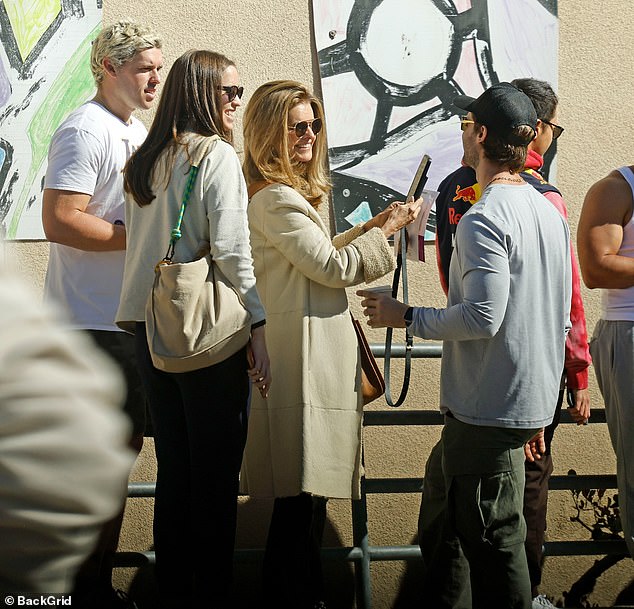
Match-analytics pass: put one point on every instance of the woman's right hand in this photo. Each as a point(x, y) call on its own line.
point(259, 365)
point(395, 216)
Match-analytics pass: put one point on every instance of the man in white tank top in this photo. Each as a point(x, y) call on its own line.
point(605, 242)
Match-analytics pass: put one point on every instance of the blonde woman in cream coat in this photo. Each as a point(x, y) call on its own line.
point(304, 440)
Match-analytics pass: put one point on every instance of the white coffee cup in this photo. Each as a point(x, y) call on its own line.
point(380, 289)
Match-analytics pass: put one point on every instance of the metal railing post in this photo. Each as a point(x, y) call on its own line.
point(361, 541)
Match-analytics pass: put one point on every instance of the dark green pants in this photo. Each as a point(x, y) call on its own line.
point(472, 509)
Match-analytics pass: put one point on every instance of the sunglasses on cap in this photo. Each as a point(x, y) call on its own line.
point(301, 127)
point(233, 91)
point(557, 130)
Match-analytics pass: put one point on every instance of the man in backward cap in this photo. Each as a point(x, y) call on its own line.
point(503, 333)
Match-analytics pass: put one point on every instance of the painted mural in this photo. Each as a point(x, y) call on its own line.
point(44, 75)
point(389, 70)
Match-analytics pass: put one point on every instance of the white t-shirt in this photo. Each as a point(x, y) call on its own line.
point(87, 155)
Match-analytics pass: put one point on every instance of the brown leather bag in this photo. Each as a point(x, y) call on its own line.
point(256, 187)
point(372, 382)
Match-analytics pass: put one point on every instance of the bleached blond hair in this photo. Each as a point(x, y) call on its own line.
point(120, 42)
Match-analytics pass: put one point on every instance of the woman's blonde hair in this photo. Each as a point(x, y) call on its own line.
point(266, 153)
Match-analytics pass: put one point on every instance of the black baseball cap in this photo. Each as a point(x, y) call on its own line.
point(501, 108)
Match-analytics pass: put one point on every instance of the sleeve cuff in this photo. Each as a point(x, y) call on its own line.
point(343, 239)
point(577, 380)
point(376, 253)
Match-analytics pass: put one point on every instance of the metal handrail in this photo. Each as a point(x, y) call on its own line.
point(431, 350)
point(362, 553)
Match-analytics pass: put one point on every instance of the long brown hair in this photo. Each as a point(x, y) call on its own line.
point(191, 102)
point(266, 153)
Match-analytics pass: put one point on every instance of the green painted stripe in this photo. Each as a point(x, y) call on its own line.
point(71, 88)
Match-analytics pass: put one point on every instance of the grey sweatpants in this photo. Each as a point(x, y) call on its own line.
point(612, 350)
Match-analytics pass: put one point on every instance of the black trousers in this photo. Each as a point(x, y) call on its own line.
point(292, 571)
point(537, 475)
point(93, 581)
point(199, 421)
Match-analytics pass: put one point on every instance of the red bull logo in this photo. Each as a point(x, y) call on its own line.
point(468, 194)
point(536, 175)
point(454, 218)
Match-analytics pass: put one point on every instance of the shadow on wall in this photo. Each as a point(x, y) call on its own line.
point(253, 521)
point(411, 592)
point(626, 596)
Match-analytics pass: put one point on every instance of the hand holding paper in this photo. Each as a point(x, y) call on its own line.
point(416, 230)
point(394, 217)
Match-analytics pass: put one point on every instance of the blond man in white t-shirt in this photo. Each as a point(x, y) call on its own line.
point(84, 218)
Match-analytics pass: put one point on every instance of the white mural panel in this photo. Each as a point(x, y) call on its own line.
point(44, 75)
point(389, 71)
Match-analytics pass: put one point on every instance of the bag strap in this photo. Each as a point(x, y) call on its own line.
point(401, 271)
point(199, 154)
point(415, 191)
point(256, 187)
point(175, 233)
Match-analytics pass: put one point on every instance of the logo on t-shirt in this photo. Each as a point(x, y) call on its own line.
point(130, 148)
point(468, 194)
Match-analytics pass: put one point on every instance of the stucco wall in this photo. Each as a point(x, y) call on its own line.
point(272, 39)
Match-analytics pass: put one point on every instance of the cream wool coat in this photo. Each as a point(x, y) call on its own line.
point(306, 437)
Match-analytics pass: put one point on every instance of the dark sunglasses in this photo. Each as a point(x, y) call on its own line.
point(302, 126)
point(233, 91)
point(557, 130)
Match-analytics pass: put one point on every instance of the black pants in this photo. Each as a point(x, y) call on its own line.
point(292, 572)
point(94, 578)
point(537, 475)
point(199, 421)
